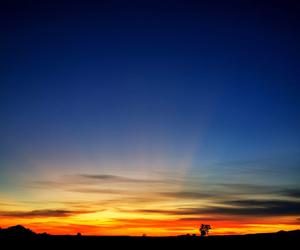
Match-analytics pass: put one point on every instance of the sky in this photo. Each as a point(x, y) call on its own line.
point(150, 117)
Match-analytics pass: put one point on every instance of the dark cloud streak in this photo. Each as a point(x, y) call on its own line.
point(116, 178)
point(238, 208)
point(41, 213)
point(187, 195)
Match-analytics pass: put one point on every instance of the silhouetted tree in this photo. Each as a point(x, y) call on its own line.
point(204, 229)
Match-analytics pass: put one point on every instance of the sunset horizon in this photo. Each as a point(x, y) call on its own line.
point(150, 117)
point(87, 209)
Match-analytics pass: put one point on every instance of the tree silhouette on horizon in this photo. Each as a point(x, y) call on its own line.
point(204, 229)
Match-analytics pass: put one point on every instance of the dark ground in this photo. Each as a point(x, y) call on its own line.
point(30, 240)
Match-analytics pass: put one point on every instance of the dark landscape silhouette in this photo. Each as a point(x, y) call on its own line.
point(19, 235)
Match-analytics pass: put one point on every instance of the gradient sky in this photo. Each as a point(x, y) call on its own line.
point(132, 117)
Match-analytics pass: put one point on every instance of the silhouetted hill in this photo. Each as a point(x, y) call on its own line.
point(16, 231)
point(19, 235)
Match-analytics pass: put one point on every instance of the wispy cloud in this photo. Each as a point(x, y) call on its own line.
point(291, 192)
point(260, 207)
point(97, 190)
point(180, 211)
point(187, 195)
point(201, 218)
point(248, 188)
point(238, 208)
point(41, 213)
point(274, 166)
point(82, 181)
point(116, 178)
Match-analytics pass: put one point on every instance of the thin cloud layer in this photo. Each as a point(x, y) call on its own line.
point(41, 213)
point(116, 178)
point(187, 195)
point(238, 208)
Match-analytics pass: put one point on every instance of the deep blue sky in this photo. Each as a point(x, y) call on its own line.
point(210, 81)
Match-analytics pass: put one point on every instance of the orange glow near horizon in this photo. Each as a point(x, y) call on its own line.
point(138, 227)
